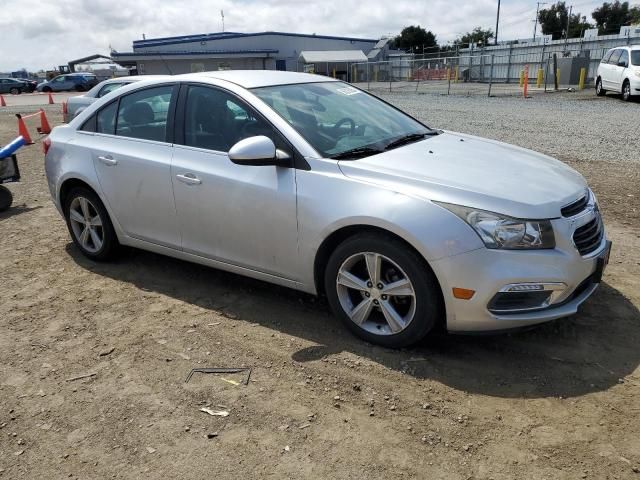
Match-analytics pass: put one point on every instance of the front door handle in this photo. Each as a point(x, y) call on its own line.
point(107, 160)
point(189, 179)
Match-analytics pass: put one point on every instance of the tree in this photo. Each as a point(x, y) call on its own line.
point(415, 38)
point(611, 16)
point(553, 21)
point(478, 35)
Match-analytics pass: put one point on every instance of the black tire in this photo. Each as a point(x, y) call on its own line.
point(428, 304)
point(6, 198)
point(601, 92)
point(110, 244)
point(15, 91)
point(626, 91)
point(46, 89)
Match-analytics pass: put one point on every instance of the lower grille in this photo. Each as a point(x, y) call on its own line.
point(513, 301)
point(588, 237)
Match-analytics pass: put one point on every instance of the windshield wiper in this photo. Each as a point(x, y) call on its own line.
point(412, 137)
point(356, 153)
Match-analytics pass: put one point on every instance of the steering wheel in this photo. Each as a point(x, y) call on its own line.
point(341, 122)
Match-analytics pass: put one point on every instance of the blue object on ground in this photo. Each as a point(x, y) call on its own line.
point(11, 148)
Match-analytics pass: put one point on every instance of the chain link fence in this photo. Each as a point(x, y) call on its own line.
point(481, 74)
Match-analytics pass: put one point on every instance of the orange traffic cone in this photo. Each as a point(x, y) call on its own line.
point(2, 102)
point(51, 102)
point(22, 130)
point(44, 128)
point(65, 110)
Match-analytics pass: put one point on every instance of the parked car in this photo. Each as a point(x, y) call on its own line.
point(12, 86)
point(80, 82)
point(310, 183)
point(30, 84)
point(619, 72)
point(75, 105)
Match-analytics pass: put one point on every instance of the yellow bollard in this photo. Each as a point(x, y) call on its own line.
point(448, 73)
point(583, 76)
point(457, 71)
point(558, 77)
point(334, 73)
point(355, 75)
point(375, 75)
point(540, 78)
point(521, 78)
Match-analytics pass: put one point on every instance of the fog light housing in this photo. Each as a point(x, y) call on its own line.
point(522, 297)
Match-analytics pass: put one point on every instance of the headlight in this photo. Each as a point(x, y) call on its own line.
point(500, 231)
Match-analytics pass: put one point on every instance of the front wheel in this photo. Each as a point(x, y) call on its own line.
point(382, 290)
point(626, 91)
point(89, 224)
point(599, 90)
point(14, 91)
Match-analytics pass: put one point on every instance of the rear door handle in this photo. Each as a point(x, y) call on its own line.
point(107, 160)
point(189, 179)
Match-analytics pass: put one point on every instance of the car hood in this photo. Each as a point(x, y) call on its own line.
point(475, 172)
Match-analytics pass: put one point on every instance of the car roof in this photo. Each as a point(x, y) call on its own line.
point(630, 47)
point(133, 78)
point(256, 78)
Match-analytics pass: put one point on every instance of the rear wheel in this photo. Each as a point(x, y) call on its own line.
point(599, 90)
point(626, 91)
point(6, 198)
point(89, 224)
point(14, 91)
point(382, 290)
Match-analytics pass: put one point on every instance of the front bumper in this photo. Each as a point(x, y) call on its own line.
point(488, 271)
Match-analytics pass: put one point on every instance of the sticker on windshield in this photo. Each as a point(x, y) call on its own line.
point(348, 91)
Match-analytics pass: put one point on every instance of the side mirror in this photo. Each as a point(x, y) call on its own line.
point(258, 151)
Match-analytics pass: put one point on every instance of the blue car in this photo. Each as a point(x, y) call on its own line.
point(80, 82)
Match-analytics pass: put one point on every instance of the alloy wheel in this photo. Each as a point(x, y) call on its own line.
point(86, 224)
point(375, 293)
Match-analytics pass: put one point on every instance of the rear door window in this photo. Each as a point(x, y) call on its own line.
point(613, 60)
point(108, 88)
point(144, 114)
point(624, 57)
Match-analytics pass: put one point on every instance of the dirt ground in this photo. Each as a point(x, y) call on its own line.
point(559, 401)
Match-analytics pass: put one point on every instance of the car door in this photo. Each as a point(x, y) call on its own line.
point(619, 70)
point(4, 85)
point(131, 152)
point(241, 215)
point(611, 71)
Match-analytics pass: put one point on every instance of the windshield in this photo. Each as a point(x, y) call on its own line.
point(635, 57)
point(340, 121)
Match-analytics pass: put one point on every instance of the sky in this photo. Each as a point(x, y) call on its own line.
point(41, 34)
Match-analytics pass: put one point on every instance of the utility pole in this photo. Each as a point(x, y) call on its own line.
point(497, 23)
point(535, 25)
point(566, 35)
point(222, 16)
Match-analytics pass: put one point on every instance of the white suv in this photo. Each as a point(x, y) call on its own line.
point(619, 71)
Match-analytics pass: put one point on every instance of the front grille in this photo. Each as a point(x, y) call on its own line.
point(576, 207)
point(588, 237)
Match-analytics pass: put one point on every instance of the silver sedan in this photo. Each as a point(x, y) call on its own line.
point(77, 104)
point(310, 183)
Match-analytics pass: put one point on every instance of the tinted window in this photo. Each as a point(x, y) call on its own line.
point(613, 60)
point(635, 57)
point(216, 120)
point(607, 56)
point(624, 57)
point(106, 119)
point(110, 87)
point(89, 125)
point(144, 114)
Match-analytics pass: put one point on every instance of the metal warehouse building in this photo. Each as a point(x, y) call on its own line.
point(234, 51)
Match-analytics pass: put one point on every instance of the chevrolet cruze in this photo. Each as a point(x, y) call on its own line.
point(310, 183)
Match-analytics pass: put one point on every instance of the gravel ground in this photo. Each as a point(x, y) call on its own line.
point(93, 357)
